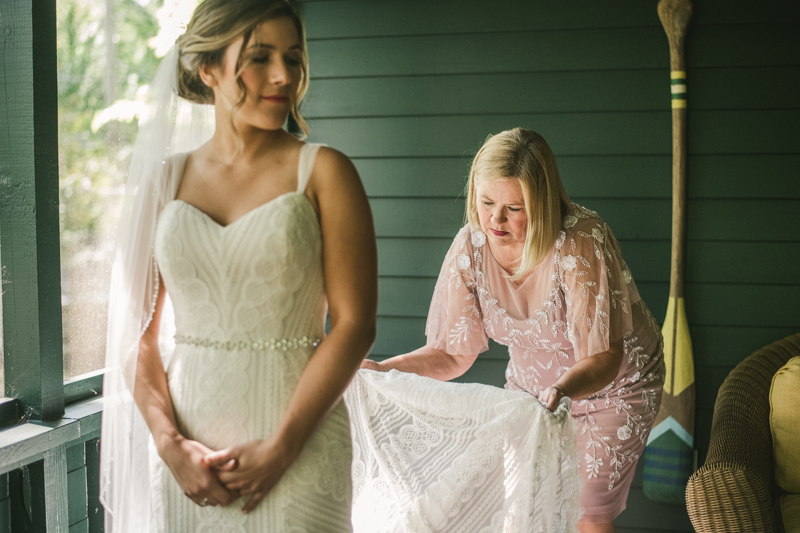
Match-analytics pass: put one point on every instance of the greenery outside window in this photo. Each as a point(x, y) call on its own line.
point(105, 58)
point(89, 79)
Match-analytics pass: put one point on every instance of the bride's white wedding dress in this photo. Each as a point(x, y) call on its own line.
point(427, 456)
point(249, 310)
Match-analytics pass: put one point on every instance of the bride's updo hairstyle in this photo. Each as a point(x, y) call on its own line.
point(214, 26)
point(525, 156)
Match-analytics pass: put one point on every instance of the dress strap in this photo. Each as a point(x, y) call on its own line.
point(175, 167)
point(308, 155)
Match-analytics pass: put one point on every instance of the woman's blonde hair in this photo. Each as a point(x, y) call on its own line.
point(214, 26)
point(523, 155)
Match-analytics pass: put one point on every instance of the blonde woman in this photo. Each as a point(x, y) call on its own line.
point(255, 236)
point(546, 278)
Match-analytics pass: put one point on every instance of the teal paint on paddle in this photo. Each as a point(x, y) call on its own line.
point(667, 466)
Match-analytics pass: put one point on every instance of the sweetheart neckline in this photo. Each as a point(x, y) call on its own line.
point(246, 215)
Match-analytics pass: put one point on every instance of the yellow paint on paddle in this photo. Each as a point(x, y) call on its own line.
point(678, 358)
point(678, 89)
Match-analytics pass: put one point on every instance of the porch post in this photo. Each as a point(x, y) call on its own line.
point(29, 237)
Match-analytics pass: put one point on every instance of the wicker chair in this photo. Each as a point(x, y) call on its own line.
point(734, 490)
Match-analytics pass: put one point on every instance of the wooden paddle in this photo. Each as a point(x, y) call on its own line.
point(670, 448)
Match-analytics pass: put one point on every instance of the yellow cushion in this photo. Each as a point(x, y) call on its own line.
point(784, 422)
point(790, 511)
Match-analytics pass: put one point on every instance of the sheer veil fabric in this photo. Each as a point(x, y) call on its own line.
point(442, 457)
point(168, 125)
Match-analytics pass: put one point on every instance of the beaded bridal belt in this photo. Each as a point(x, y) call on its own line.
point(271, 344)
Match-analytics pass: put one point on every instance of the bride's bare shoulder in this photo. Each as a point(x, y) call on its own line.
point(334, 171)
point(332, 161)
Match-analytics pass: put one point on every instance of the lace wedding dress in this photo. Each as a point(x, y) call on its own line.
point(430, 456)
point(249, 310)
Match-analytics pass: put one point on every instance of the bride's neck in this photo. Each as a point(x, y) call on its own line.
point(247, 144)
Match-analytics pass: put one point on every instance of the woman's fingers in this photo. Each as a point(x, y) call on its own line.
point(369, 364)
point(221, 458)
point(235, 480)
point(555, 396)
point(543, 396)
point(245, 482)
point(230, 465)
point(550, 398)
point(250, 468)
point(236, 485)
point(196, 478)
point(219, 494)
point(211, 491)
point(220, 465)
point(229, 478)
point(254, 501)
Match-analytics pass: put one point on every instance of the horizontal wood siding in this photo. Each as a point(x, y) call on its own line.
point(409, 90)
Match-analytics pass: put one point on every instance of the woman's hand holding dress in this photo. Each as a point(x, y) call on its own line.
point(586, 377)
point(551, 396)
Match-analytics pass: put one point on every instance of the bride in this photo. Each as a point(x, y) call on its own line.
point(252, 234)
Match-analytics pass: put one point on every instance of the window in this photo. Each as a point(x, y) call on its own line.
point(108, 50)
point(96, 66)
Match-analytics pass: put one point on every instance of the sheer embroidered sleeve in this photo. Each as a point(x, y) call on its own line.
point(596, 282)
point(454, 320)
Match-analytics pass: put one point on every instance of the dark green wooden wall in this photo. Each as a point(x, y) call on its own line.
point(409, 90)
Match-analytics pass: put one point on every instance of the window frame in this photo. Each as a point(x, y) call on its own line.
point(36, 425)
point(29, 221)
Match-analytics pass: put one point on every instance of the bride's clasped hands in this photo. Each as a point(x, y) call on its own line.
point(187, 460)
point(219, 478)
point(252, 468)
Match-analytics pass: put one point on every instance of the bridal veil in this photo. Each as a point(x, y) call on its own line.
point(168, 125)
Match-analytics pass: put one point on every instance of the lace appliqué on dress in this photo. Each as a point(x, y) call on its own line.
point(467, 458)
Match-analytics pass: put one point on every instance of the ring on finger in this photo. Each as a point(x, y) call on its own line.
point(204, 502)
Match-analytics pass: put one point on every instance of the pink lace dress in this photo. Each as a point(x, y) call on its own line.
point(577, 301)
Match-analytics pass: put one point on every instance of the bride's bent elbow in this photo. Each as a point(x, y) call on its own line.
point(369, 334)
point(369, 331)
point(361, 332)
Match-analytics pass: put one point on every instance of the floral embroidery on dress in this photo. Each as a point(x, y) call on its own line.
point(569, 263)
point(478, 239)
point(597, 241)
